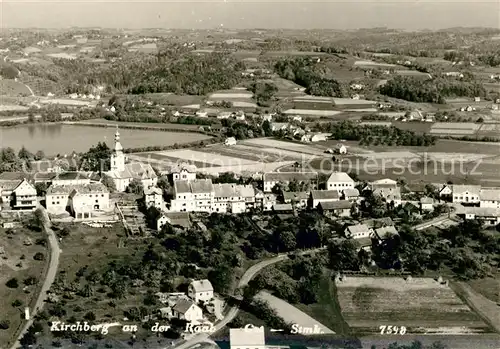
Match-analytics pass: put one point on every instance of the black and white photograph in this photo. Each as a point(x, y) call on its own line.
point(250, 174)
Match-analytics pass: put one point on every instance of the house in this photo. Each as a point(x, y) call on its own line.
point(268, 201)
point(340, 149)
point(489, 198)
point(389, 195)
point(230, 141)
point(187, 310)
point(233, 198)
point(350, 194)
point(339, 181)
point(80, 200)
point(426, 204)
point(192, 196)
point(358, 231)
point(247, 338)
point(201, 291)
point(18, 194)
point(486, 215)
point(122, 174)
point(153, 197)
point(183, 172)
point(466, 194)
point(176, 219)
point(320, 137)
point(318, 196)
point(270, 179)
point(305, 138)
point(341, 208)
point(378, 222)
point(224, 115)
point(446, 192)
point(201, 114)
point(385, 232)
point(477, 99)
point(279, 126)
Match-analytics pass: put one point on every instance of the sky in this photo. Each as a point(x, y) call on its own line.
point(247, 14)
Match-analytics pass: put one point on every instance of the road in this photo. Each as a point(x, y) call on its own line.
point(55, 252)
point(249, 274)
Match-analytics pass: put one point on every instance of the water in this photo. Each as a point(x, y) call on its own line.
point(55, 139)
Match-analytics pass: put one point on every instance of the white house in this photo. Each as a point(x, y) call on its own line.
point(80, 200)
point(358, 231)
point(233, 198)
point(230, 141)
point(153, 197)
point(466, 194)
point(193, 196)
point(320, 137)
point(123, 173)
point(489, 198)
point(201, 114)
point(339, 181)
point(24, 196)
point(318, 196)
point(426, 204)
point(446, 191)
point(201, 291)
point(184, 172)
point(245, 338)
point(224, 115)
point(187, 310)
point(487, 215)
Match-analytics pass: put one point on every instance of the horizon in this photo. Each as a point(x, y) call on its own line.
point(244, 15)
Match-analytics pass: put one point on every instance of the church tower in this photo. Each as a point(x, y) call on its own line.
point(117, 157)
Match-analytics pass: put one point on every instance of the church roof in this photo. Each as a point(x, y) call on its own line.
point(135, 170)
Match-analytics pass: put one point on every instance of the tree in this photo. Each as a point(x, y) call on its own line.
point(17, 303)
point(97, 158)
point(39, 219)
point(221, 278)
point(343, 255)
point(286, 241)
point(90, 316)
point(135, 187)
point(41, 188)
point(4, 324)
point(163, 183)
point(39, 256)
point(39, 155)
point(108, 182)
point(25, 155)
point(12, 283)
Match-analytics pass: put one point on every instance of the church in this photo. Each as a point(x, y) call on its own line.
point(123, 173)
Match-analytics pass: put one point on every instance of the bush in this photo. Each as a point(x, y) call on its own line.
point(17, 303)
point(12, 283)
point(4, 324)
point(39, 256)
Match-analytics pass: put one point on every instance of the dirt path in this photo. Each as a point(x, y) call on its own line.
point(486, 308)
point(55, 252)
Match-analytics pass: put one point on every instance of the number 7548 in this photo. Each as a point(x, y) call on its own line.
point(392, 330)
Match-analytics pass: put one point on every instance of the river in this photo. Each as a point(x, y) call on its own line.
point(55, 139)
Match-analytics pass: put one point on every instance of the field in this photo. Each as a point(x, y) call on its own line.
point(372, 64)
point(312, 113)
point(17, 252)
point(422, 305)
point(13, 88)
point(13, 108)
point(261, 154)
point(290, 313)
point(62, 55)
point(488, 287)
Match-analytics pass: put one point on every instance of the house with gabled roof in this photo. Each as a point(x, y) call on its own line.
point(201, 291)
point(466, 194)
point(187, 310)
point(340, 181)
point(358, 231)
point(318, 196)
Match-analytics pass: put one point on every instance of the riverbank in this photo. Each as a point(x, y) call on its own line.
point(166, 127)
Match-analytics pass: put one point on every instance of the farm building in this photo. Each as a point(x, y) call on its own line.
point(341, 208)
point(230, 141)
point(490, 198)
point(466, 194)
point(358, 231)
point(488, 216)
point(319, 196)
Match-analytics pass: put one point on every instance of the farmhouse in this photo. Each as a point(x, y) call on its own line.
point(350, 194)
point(187, 310)
point(340, 181)
point(233, 198)
point(270, 179)
point(358, 231)
point(175, 219)
point(446, 192)
point(466, 194)
point(201, 291)
point(122, 173)
point(70, 178)
point(487, 215)
point(282, 208)
point(192, 196)
point(341, 208)
point(244, 338)
point(318, 196)
point(390, 195)
point(489, 198)
point(18, 194)
point(82, 200)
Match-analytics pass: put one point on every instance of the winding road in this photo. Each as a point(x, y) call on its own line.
point(55, 252)
point(249, 274)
